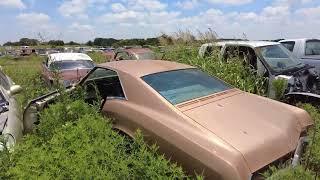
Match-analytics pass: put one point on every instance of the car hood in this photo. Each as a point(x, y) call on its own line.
point(74, 74)
point(261, 129)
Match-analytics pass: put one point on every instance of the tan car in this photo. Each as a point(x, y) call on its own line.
point(204, 124)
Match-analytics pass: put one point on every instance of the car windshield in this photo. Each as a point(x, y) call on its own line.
point(312, 47)
point(182, 85)
point(66, 65)
point(279, 58)
point(146, 55)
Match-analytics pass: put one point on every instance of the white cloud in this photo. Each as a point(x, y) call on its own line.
point(230, 2)
point(12, 4)
point(118, 7)
point(76, 27)
point(33, 18)
point(187, 4)
point(310, 13)
point(79, 7)
point(34, 23)
point(149, 5)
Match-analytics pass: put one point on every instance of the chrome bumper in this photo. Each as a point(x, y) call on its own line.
point(298, 152)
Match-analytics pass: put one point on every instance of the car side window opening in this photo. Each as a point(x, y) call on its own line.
point(312, 47)
point(289, 45)
point(244, 53)
point(210, 50)
point(102, 84)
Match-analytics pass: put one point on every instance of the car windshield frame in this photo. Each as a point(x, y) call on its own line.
point(56, 65)
point(178, 86)
point(285, 53)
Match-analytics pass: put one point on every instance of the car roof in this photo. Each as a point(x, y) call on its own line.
point(298, 39)
point(68, 56)
point(253, 44)
point(139, 68)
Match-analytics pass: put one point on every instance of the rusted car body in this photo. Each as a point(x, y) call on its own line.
point(66, 68)
point(198, 121)
point(134, 54)
point(108, 53)
point(26, 51)
point(273, 61)
point(11, 124)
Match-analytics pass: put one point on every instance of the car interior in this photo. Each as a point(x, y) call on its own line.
point(100, 86)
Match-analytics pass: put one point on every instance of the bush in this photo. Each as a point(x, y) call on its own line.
point(312, 157)
point(25, 71)
point(297, 173)
point(73, 141)
point(232, 72)
point(98, 57)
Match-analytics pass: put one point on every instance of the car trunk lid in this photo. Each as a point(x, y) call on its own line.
point(262, 130)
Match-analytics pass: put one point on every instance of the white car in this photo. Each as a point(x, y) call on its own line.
point(272, 60)
point(307, 50)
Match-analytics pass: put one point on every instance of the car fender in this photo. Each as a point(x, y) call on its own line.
point(30, 113)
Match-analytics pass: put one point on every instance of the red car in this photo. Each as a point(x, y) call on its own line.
point(134, 54)
point(109, 53)
point(68, 68)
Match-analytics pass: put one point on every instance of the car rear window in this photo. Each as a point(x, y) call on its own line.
point(313, 47)
point(182, 85)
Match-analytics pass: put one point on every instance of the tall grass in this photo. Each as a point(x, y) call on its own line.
point(74, 141)
point(25, 71)
point(98, 57)
point(232, 72)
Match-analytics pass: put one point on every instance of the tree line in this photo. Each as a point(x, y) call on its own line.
point(103, 42)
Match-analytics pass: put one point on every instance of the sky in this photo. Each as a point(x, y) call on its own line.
point(83, 20)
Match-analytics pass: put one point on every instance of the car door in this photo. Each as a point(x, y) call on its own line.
point(10, 110)
point(103, 87)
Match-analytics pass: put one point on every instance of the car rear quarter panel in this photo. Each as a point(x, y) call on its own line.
point(178, 137)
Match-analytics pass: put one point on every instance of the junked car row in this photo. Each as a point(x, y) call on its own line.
point(202, 123)
point(273, 61)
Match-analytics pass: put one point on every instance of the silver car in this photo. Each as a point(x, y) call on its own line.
point(11, 125)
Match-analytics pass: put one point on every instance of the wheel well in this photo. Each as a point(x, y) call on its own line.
point(123, 132)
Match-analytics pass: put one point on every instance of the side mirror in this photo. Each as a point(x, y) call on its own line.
point(14, 89)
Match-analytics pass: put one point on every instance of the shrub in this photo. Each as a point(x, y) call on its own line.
point(73, 141)
point(232, 72)
point(279, 86)
point(297, 173)
point(25, 71)
point(98, 57)
point(312, 157)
